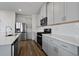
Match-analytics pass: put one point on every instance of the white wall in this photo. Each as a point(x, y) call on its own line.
point(34, 27)
point(7, 18)
point(34, 23)
point(28, 21)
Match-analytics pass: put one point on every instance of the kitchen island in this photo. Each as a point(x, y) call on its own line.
point(8, 45)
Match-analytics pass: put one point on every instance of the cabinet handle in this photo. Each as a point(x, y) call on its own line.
point(64, 46)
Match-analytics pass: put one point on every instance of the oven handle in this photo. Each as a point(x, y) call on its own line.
point(39, 36)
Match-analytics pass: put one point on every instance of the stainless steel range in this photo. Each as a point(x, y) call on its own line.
point(39, 35)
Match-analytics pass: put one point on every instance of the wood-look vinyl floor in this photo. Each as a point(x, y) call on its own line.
point(30, 48)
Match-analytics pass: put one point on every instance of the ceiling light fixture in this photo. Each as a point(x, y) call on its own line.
point(19, 9)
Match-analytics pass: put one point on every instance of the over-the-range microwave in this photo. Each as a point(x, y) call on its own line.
point(43, 22)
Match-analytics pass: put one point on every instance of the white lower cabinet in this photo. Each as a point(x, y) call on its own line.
point(5, 50)
point(52, 50)
point(52, 47)
point(48, 47)
point(55, 50)
point(45, 45)
point(63, 52)
point(12, 50)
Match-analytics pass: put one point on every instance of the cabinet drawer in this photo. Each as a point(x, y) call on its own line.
point(69, 47)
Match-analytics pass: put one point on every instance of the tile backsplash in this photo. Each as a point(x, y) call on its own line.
point(71, 29)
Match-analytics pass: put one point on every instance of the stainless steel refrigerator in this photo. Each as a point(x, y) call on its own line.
point(22, 28)
point(24, 31)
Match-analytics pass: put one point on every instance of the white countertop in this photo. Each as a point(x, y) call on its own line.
point(66, 39)
point(8, 40)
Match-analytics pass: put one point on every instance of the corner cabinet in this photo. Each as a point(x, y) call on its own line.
point(55, 47)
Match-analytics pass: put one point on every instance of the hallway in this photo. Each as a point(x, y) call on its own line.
point(30, 48)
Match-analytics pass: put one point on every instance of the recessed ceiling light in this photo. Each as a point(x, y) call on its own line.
point(19, 9)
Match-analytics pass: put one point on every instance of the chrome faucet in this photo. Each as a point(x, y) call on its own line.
point(6, 30)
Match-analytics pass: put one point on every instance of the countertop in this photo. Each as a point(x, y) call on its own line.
point(8, 40)
point(64, 38)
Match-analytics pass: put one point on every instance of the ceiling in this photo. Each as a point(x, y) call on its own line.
point(28, 8)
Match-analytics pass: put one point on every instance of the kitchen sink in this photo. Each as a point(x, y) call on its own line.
point(11, 35)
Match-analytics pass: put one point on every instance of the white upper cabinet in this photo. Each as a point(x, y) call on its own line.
point(71, 11)
point(50, 14)
point(43, 11)
point(59, 12)
point(41, 14)
point(38, 20)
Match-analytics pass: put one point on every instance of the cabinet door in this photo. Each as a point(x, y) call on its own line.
point(72, 11)
point(38, 19)
point(43, 10)
point(52, 50)
point(41, 13)
point(63, 52)
point(50, 14)
point(5, 50)
point(45, 44)
point(48, 46)
point(59, 12)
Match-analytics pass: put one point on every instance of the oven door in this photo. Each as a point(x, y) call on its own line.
point(39, 40)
